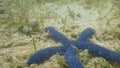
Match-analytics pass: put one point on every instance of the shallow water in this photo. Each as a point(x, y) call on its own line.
point(22, 21)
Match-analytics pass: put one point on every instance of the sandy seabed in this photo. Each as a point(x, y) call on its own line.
point(16, 47)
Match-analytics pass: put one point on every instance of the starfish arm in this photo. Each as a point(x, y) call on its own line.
point(44, 54)
point(100, 51)
point(85, 34)
point(71, 58)
point(56, 35)
point(79, 45)
point(83, 37)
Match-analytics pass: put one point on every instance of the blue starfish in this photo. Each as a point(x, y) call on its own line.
point(80, 43)
point(72, 59)
point(57, 36)
point(43, 54)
